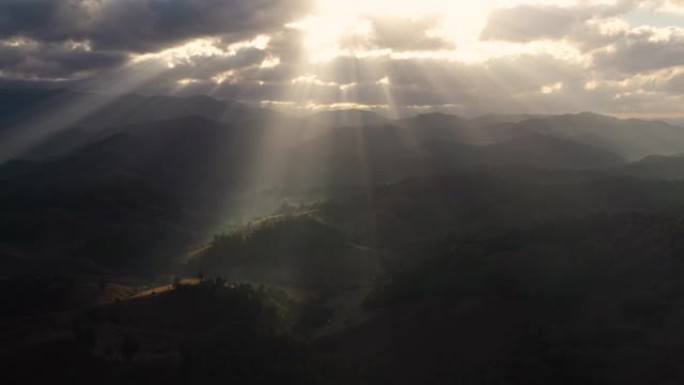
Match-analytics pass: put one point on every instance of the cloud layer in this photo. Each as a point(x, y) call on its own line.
point(543, 57)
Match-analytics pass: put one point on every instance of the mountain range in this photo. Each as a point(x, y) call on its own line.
point(37, 123)
point(343, 245)
point(132, 180)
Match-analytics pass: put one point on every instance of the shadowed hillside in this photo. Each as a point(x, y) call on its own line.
point(594, 301)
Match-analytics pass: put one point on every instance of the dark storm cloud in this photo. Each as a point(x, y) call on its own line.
point(30, 59)
point(47, 39)
point(143, 25)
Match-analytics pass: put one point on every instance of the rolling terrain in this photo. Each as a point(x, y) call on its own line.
point(189, 239)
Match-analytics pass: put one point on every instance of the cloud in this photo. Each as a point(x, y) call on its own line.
point(525, 23)
point(143, 25)
point(400, 34)
point(643, 50)
point(29, 59)
point(527, 58)
point(676, 84)
point(528, 23)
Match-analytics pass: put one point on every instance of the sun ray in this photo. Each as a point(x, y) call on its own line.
point(75, 107)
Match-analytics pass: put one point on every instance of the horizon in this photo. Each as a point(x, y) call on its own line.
point(383, 112)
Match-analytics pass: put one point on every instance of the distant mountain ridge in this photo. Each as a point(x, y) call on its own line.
point(349, 118)
point(655, 167)
point(139, 192)
point(342, 146)
point(42, 123)
point(39, 123)
point(631, 138)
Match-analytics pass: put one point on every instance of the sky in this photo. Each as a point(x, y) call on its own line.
point(624, 57)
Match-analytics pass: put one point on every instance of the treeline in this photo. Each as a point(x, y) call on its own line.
point(595, 300)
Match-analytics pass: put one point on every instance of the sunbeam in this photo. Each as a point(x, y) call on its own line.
point(73, 109)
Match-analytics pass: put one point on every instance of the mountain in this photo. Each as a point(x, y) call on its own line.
point(632, 138)
point(349, 118)
point(654, 167)
point(139, 193)
point(504, 249)
point(144, 193)
point(390, 153)
point(17, 104)
point(287, 249)
point(164, 149)
point(107, 110)
point(441, 126)
point(42, 123)
point(544, 151)
point(38, 124)
point(494, 119)
point(590, 300)
point(397, 215)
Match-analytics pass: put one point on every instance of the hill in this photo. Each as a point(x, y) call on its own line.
point(379, 154)
point(398, 215)
point(439, 126)
point(348, 118)
point(631, 138)
point(628, 138)
point(146, 192)
point(592, 300)
point(293, 250)
point(38, 123)
point(655, 167)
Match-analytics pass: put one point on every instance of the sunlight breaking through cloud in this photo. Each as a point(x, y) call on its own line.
point(301, 53)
